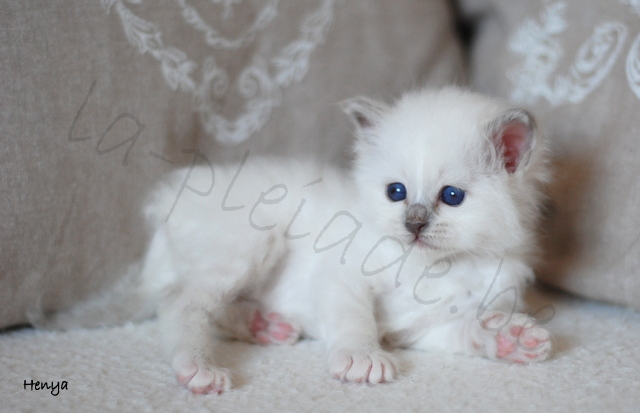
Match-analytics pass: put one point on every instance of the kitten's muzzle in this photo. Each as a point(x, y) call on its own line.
point(417, 218)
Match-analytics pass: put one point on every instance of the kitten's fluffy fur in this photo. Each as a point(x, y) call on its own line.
point(281, 249)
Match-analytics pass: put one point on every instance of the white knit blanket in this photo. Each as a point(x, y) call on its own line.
point(595, 367)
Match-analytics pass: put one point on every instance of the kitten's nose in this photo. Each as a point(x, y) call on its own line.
point(417, 218)
point(415, 227)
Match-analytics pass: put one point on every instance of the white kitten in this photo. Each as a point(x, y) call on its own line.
point(425, 244)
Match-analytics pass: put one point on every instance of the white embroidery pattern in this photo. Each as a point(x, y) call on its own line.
point(214, 38)
point(635, 5)
point(542, 52)
point(633, 57)
point(633, 67)
point(260, 84)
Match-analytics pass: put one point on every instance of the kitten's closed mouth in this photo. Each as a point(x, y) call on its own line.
point(421, 243)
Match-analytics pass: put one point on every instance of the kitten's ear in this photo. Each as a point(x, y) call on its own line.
point(366, 113)
point(513, 134)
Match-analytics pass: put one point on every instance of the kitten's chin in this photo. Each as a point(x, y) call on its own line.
point(423, 244)
point(430, 248)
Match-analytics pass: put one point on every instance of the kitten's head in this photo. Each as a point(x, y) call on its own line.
point(448, 170)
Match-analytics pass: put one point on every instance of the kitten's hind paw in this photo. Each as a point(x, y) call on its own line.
point(200, 378)
point(273, 329)
point(520, 340)
point(360, 367)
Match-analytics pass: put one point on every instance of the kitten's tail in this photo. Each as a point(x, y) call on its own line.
point(123, 302)
point(135, 297)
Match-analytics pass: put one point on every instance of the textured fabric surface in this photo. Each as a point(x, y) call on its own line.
point(593, 369)
point(577, 65)
point(101, 97)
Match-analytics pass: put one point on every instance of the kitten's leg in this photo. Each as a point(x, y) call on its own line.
point(351, 336)
point(244, 320)
point(184, 316)
point(212, 277)
point(516, 338)
point(193, 317)
point(188, 334)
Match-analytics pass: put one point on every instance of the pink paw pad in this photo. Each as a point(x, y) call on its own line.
point(272, 328)
point(518, 339)
point(505, 346)
point(522, 341)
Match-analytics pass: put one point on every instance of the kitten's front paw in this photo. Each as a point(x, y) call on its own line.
point(273, 328)
point(520, 340)
point(200, 378)
point(361, 367)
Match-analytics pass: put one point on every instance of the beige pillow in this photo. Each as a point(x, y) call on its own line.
point(101, 97)
point(576, 63)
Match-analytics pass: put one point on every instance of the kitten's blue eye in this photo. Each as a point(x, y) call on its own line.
point(452, 196)
point(396, 192)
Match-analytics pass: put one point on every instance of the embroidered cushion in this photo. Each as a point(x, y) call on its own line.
point(576, 63)
point(101, 97)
